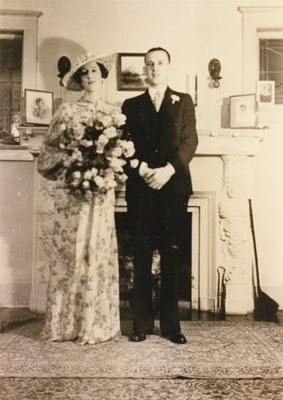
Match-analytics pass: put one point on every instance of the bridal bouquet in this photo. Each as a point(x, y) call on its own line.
point(95, 155)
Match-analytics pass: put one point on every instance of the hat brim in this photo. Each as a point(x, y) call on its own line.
point(68, 80)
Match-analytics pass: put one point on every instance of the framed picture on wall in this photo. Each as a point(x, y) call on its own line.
point(130, 74)
point(265, 92)
point(38, 107)
point(243, 110)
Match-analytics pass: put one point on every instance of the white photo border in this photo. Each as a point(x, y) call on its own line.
point(265, 93)
point(243, 111)
point(38, 107)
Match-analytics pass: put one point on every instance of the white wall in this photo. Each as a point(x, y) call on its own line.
point(194, 31)
point(16, 229)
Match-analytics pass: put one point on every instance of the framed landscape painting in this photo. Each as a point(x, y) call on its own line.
point(130, 74)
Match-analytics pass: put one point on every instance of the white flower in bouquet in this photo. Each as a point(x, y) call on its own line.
point(103, 121)
point(75, 182)
point(128, 148)
point(119, 119)
point(110, 132)
point(116, 152)
point(85, 184)
point(77, 155)
point(67, 162)
point(100, 182)
point(101, 143)
point(88, 174)
point(86, 143)
point(134, 163)
point(76, 175)
point(122, 178)
point(94, 171)
point(117, 164)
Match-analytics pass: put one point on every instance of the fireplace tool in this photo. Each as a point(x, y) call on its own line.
point(265, 308)
point(221, 293)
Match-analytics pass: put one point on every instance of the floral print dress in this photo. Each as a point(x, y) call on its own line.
point(83, 288)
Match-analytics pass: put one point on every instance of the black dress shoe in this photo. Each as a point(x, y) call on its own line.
point(178, 339)
point(137, 337)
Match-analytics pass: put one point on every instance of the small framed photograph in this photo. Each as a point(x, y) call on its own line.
point(243, 110)
point(38, 108)
point(265, 92)
point(130, 71)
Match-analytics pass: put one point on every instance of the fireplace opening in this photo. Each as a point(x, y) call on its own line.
point(126, 265)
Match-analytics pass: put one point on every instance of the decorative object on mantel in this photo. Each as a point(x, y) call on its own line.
point(265, 93)
point(38, 107)
point(31, 136)
point(195, 86)
point(243, 111)
point(214, 68)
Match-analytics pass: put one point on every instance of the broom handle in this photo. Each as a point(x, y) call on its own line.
point(254, 242)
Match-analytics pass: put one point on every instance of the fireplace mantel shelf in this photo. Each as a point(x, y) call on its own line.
point(212, 142)
point(220, 142)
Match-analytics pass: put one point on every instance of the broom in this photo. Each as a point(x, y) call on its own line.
point(265, 308)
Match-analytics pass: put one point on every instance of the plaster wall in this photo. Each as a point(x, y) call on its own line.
point(16, 232)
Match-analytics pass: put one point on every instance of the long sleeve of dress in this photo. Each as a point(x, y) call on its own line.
point(50, 160)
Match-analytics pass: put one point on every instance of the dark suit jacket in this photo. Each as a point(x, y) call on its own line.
point(167, 136)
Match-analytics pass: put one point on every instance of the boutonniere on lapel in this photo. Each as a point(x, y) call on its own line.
point(174, 98)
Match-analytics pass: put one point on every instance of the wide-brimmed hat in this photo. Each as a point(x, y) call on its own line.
point(68, 80)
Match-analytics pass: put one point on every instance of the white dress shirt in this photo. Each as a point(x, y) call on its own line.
point(152, 93)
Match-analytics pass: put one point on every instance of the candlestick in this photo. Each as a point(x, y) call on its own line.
point(196, 90)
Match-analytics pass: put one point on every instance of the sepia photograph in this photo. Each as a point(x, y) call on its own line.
point(38, 107)
point(265, 92)
point(141, 219)
point(243, 111)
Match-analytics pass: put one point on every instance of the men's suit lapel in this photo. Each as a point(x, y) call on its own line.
point(168, 119)
point(148, 103)
point(148, 116)
point(167, 104)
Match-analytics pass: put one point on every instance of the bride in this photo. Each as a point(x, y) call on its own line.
point(83, 288)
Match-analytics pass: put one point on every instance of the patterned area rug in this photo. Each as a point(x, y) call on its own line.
point(139, 389)
point(215, 350)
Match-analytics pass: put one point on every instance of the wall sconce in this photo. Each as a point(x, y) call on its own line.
point(214, 68)
point(64, 66)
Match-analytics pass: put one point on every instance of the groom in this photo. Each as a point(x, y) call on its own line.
point(161, 123)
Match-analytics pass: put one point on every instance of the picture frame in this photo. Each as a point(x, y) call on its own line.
point(38, 107)
point(243, 111)
point(265, 92)
point(130, 74)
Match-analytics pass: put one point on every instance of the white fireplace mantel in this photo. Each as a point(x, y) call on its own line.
point(230, 142)
point(223, 165)
point(212, 142)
